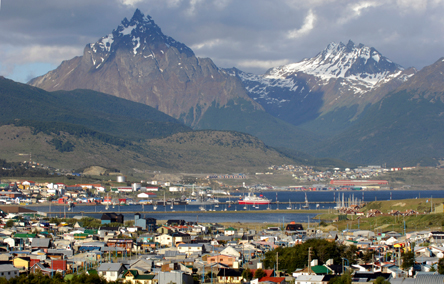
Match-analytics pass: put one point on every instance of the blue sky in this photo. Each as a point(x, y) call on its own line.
point(37, 35)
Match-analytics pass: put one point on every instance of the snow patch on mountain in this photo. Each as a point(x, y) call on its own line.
point(359, 69)
point(142, 34)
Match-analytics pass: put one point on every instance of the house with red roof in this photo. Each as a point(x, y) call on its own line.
point(267, 279)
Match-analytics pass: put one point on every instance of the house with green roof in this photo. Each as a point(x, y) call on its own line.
point(230, 231)
point(320, 269)
point(24, 236)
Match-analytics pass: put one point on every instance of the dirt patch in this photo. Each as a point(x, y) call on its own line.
point(167, 177)
point(383, 226)
point(94, 171)
point(401, 204)
point(328, 228)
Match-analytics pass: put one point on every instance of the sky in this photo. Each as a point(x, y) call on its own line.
point(251, 35)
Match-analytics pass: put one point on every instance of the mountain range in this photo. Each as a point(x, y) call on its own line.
point(80, 128)
point(136, 61)
point(348, 101)
point(327, 92)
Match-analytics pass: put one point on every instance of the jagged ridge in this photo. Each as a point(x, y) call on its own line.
point(342, 75)
point(140, 35)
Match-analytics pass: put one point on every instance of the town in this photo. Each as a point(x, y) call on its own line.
point(119, 247)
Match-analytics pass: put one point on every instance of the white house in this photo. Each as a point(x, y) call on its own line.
point(309, 279)
point(164, 240)
point(110, 271)
point(189, 249)
point(151, 188)
point(143, 195)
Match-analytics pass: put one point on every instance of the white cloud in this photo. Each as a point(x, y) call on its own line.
point(298, 4)
point(173, 3)
point(192, 9)
point(306, 27)
point(221, 4)
point(131, 3)
point(206, 44)
point(11, 56)
point(355, 10)
point(412, 5)
point(264, 64)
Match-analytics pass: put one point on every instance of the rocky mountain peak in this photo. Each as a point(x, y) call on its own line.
point(339, 60)
point(140, 36)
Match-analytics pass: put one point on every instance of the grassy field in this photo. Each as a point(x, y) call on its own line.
point(390, 223)
point(419, 178)
point(422, 221)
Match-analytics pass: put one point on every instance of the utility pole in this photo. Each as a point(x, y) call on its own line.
point(399, 257)
point(277, 261)
point(309, 259)
point(431, 204)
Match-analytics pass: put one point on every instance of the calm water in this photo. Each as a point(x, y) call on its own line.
point(295, 199)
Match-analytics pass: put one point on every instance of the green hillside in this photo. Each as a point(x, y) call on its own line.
point(30, 106)
point(404, 128)
point(81, 128)
point(240, 116)
point(190, 152)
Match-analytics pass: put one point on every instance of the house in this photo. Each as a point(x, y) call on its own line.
point(107, 232)
point(133, 277)
point(112, 218)
point(190, 249)
point(229, 275)
point(21, 262)
point(227, 260)
point(164, 240)
point(142, 265)
point(268, 279)
point(39, 267)
point(110, 271)
point(177, 277)
point(309, 279)
point(126, 244)
point(175, 223)
point(165, 230)
point(8, 271)
point(436, 237)
point(148, 224)
point(179, 237)
point(230, 251)
point(41, 243)
point(293, 227)
point(230, 231)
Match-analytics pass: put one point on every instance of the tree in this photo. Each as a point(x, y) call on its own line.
point(9, 223)
point(408, 260)
point(441, 266)
point(368, 256)
point(381, 280)
point(247, 274)
point(343, 279)
point(260, 273)
point(297, 256)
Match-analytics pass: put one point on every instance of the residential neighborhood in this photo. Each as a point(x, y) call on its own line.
point(177, 251)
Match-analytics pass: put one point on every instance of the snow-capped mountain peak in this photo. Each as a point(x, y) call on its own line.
point(140, 36)
point(341, 75)
point(341, 60)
